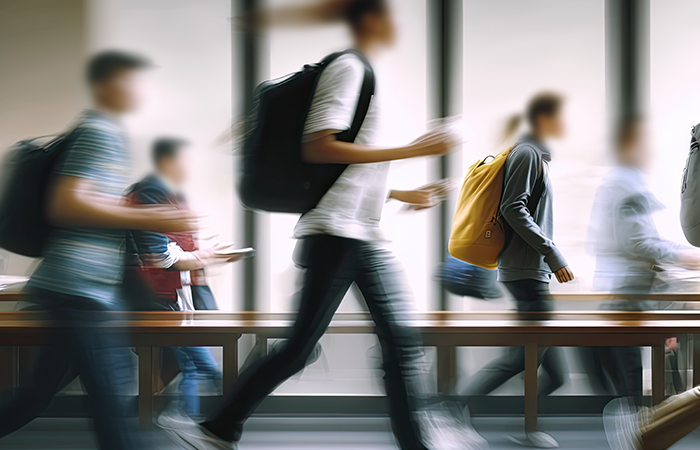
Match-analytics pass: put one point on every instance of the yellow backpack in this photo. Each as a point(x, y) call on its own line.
point(478, 230)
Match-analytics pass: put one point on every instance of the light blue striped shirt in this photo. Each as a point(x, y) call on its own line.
point(88, 262)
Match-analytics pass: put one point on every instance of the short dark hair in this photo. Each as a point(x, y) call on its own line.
point(355, 10)
point(105, 65)
point(167, 147)
point(543, 104)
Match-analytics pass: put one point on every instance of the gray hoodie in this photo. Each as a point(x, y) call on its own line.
point(530, 253)
point(622, 231)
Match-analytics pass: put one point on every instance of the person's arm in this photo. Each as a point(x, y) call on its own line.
point(323, 148)
point(520, 181)
point(72, 200)
point(72, 203)
point(332, 111)
point(157, 250)
point(634, 228)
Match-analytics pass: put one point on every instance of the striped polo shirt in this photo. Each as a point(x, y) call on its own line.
point(88, 262)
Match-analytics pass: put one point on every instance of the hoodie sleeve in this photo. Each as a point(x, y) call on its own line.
point(155, 249)
point(634, 228)
point(520, 180)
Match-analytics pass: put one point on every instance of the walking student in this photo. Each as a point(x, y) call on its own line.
point(168, 266)
point(530, 257)
point(340, 243)
point(628, 249)
point(79, 277)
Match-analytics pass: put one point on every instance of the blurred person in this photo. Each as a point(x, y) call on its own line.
point(78, 280)
point(629, 250)
point(657, 428)
point(530, 257)
point(340, 242)
point(171, 264)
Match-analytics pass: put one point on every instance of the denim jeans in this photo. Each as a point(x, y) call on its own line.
point(332, 264)
point(79, 344)
point(530, 296)
point(196, 363)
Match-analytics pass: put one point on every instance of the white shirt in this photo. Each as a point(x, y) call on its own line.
point(352, 207)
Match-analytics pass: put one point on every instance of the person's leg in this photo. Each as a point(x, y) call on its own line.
point(330, 270)
point(497, 372)
point(529, 295)
point(190, 382)
point(381, 281)
point(52, 372)
point(627, 365)
point(553, 364)
point(106, 368)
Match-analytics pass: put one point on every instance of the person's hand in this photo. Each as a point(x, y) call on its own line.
point(436, 142)
point(210, 257)
point(168, 219)
point(689, 259)
point(424, 197)
point(672, 345)
point(564, 275)
point(418, 199)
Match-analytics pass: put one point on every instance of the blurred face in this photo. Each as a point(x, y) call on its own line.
point(120, 93)
point(174, 169)
point(636, 150)
point(379, 27)
point(551, 127)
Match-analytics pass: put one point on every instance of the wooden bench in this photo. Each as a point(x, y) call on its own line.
point(148, 331)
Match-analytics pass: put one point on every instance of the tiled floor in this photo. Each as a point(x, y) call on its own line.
point(313, 433)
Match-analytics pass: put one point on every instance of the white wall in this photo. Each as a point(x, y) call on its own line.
point(42, 50)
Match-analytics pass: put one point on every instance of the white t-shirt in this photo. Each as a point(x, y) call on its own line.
point(352, 207)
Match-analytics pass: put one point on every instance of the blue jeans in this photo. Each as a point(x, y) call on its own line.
point(79, 344)
point(331, 265)
point(196, 363)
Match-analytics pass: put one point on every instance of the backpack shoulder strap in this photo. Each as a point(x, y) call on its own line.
point(366, 93)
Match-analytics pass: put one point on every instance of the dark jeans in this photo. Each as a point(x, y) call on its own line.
point(332, 265)
point(623, 365)
point(80, 346)
point(530, 295)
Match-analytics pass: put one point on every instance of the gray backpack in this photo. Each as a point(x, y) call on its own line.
point(690, 191)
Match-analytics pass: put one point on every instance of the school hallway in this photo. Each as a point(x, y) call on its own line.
point(316, 433)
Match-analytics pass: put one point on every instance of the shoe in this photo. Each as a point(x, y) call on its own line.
point(535, 439)
point(622, 426)
point(441, 430)
point(188, 434)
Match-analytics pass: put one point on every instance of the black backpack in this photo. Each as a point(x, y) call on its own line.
point(273, 176)
point(25, 175)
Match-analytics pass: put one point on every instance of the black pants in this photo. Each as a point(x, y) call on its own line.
point(79, 345)
point(332, 265)
point(623, 365)
point(530, 295)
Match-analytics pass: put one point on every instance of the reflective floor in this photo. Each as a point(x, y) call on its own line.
point(268, 433)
